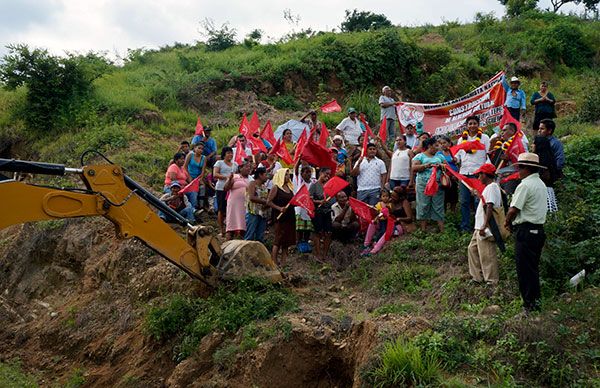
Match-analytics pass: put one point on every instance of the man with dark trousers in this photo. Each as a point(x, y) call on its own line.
point(525, 218)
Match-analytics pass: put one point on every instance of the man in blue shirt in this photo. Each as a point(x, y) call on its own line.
point(547, 127)
point(210, 145)
point(515, 97)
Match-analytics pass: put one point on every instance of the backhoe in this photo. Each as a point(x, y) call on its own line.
point(110, 193)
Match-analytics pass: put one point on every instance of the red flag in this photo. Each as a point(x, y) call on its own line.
point(302, 199)
point(199, 128)
point(365, 143)
point(471, 183)
point(467, 146)
point(300, 146)
point(191, 187)
point(240, 152)
point(508, 118)
point(267, 133)
point(280, 150)
point(511, 177)
point(383, 130)
point(256, 144)
point(334, 186)
point(362, 210)
point(244, 126)
point(432, 185)
point(324, 135)
point(389, 227)
point(254, 124)
point(331, 106)
point(319, 156)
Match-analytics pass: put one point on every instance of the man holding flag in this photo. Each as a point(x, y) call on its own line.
point(350, 129)
point(470, 160)
point(371, 173)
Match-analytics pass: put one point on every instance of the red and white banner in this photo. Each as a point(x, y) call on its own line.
point(449, 117)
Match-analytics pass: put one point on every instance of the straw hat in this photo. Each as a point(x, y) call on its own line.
point(529, 159)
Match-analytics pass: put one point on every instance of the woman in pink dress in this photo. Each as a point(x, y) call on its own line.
point(235, 219)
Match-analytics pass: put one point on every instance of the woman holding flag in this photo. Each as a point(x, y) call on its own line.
point(322, 220)
point(429, 207)
point(285, 217)
point(195, 165)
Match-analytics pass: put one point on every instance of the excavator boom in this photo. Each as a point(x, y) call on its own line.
point(112, 194)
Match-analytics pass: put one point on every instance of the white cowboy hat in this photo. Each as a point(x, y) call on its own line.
point(515, 79)
point(529, 159)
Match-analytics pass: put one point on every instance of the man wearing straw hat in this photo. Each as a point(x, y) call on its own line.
point(525, 218)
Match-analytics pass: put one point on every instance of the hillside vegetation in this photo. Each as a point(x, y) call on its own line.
point(464, 334)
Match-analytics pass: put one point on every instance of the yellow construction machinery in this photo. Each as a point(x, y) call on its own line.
point(112, 194)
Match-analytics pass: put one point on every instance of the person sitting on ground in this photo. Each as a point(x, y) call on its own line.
point(544, 105)
point(222, 170)
point(401, 210)
point(345, 224)
point(322, 218)
point(377, 226)
point(516, 99)
point(482, 254)
point(400, 166)
point(235, 219)
point(210, 144)
point(428, 207)
point(178, 202)
point(285, 226)
point(195, 165)
point(371, 174)
point(176, 172)
point(350, 128)
point(258, 211)
point(388, 111)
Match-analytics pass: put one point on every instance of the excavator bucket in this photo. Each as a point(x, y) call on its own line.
point(234, 259)
point(247, 258)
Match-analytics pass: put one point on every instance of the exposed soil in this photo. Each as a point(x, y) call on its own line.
point(74, 298)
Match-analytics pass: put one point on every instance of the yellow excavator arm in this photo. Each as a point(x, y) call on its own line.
point(112, 194)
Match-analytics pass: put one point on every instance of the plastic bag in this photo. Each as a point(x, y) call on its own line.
point(432, 185)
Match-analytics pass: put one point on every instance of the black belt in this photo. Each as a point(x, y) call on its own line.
point(529, 226)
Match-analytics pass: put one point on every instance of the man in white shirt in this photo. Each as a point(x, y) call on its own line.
point(344, 222)
point(482, 254)
point(411, 138)
point(371, 173)
point(388, 111)
point(470, 161)
point(350, 128)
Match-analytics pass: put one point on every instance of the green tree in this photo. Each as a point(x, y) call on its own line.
point(518, 7)
point(218, 39)
point(253, 38)
point(56, 86)
point(589, 4)
point(364, 21)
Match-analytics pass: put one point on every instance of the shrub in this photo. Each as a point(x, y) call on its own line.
point(404, 277)
point(227, 310)
point(402, 363)
point(590, 109)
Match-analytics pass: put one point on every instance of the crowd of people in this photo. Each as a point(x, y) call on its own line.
point(394, 179)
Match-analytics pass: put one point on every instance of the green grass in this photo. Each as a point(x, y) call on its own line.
point(12, 376)
point(407, 278)
point(402, 363)
point(227, 310)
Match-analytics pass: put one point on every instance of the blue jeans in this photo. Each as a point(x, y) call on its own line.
point(187, 213)
point(370, 197)
point(255, 227)
point(466, 201)
point(193, 198)
point(398, 182)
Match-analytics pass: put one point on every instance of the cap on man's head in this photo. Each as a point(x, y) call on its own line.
point(313, 112)
point(486, 168)
point(515, 79)
point(351, 110)
point(175, 184)
point(385, 88)
point(338, 137)
point(207, 129)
